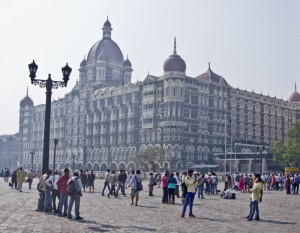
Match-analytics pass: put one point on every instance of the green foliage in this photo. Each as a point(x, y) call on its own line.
point(287, 153)
point(146, 159)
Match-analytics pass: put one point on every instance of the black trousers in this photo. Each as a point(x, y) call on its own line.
point(106, 184)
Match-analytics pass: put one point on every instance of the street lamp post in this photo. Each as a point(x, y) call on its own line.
point(73, 164)
point(260, 150)
point(48, 84)
point(32, 154)
point(54, 155)
point(173, 158)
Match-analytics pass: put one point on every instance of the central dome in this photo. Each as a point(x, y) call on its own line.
point(105, 49)
point(174, 62)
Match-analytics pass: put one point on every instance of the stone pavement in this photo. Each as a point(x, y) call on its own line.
point(279, 213)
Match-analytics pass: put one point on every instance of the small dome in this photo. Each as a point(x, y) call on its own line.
point(295, 96)
point(26, 101)
point(174, 62)
point(107, 23)
point(83, 63)
point(127, 62)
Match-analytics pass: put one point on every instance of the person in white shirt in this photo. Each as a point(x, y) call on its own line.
point(75, 197)
point(51, 182)
point(134, 187)
point(106, 181)
point(177, 185)
point(127, 179)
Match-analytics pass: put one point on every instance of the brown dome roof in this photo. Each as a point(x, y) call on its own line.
point(295, 96)
point(174, 62)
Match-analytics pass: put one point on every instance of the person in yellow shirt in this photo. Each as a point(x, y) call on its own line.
point(191, 185)
point(255, 198)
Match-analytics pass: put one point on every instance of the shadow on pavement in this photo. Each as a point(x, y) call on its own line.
point(109, 228)
point(279, 222)
point(212, 219)
point(149, 207)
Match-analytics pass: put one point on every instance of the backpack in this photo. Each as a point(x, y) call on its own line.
point(71, 188)
point(139, 185)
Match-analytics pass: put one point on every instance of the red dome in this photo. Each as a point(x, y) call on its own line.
point(294, 97)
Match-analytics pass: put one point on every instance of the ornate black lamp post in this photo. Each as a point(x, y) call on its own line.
point(48, 84)
point(54, 155)
point(73, 164)
point(260, 150)
point(32, 154)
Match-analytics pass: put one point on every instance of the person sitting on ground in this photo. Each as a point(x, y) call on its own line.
point(227, 194)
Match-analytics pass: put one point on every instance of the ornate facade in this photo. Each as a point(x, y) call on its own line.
point(106, 119)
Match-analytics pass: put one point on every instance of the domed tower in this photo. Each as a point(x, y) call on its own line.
point(174, 63)
point(26, 102)
point(26, 107)
point(127, 71)
point(295, 96)
point(105, 65)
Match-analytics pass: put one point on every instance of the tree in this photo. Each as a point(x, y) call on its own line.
point(287, 153)
point(145, 159)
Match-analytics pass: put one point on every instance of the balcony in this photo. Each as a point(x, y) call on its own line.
point(172, 123)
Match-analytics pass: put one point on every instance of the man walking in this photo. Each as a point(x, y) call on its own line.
point(20, 179)
point(113, 181)
point(30, 178)
point(122, 177)
point(75, 187)
point(135, 179)
point(106, 181)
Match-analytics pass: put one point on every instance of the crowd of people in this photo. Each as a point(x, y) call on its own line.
point(245, 182)
point(59, 192)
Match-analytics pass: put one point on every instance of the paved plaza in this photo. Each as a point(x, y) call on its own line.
point(279, 213)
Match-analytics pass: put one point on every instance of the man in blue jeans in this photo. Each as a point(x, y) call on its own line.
point(191, 184)
point(255, 198)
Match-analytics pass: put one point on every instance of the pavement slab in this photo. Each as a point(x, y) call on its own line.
point(279, 213)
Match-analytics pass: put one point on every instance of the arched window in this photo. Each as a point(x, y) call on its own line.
point(250, 117)
point(233, 113)
point(242, 115)
point(242, 103)
point(257, 130)
point(233, 127)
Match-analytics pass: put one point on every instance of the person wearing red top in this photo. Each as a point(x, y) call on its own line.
point(164, 186)
point(273, 182)
point(241, 184)
point(62, 185)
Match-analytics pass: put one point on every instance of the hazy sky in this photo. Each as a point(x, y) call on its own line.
point(252, 44)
